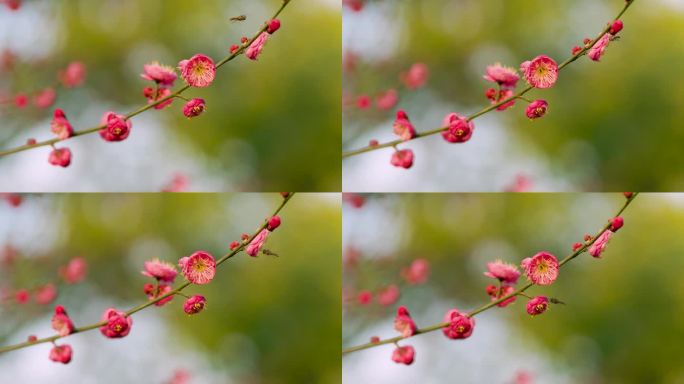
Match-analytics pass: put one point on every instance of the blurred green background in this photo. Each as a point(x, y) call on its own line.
point(612, 125)
point(265, 120)
point(268, 319)
point(622, 318)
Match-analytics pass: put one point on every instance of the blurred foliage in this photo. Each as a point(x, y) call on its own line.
point(286, 308)
point(265, 120)
point(621, 322)
point(602, 116)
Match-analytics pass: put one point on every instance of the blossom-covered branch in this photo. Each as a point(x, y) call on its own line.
point(199, 268)
point(198, 71)
point(541, 269)
point(540, 72)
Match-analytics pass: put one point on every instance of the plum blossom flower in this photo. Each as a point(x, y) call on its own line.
point(540, 72)
point(117, 127)
point(403, 127)
point(541, 269)
point(178, 183)
point(154, 292)
point(61, 353)
point(46, 294)
point(61, 322)
point(45, 98)
point(460, 325)
point(503, 94)
point(537, 305)
point(402, 158)
point(363, 102)
point(254, 50)
point(194, 107)
point(387, 99)
point(403, 323)
point(73, 75)
point(364, 297)
point(194, 305)
point(599, 48)
point(198, 71)
point(60, 157)
point(273, 223)
point(506, 77)
point(160, 74)
point(388, 295)
point(416, 273)
point(154, 95)
point(616, 27)
point(60, 125)
point(616, 223)
point(118, 324)
point(416, 76)
point(504, 272)
point(198, 268)
point(74, 271)
point(272, 26)
point(600, 244)
point(160, 270)
point(404, 355)
point(496, 293)
point(536, 109)
point(459, 129)
point(22, 296)
point(255, 245)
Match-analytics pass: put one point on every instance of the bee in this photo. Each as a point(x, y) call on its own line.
point(238, 18)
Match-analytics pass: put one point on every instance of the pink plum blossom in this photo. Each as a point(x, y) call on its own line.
point(504, 272)
point(506, 77)
point(73, 75)
point(388, 295)
point(60, 157)
point(403, 127)
point(460, 325)
point(61, 353)
point(416, 273)
point(599, 48)
point(61, 322)
point(387, 100)
point(540, 72)
point(416, 76)
point(459, 129)
point(160, 74)
point(118, 324)
point(117, 127)
point(198, 71)
point(616, 223)
point(198, 268)
point(60, 126)
point(254, 50)
point(194, 108)
point(403, 323)
point(402, 158)
point(536, 109)
point(600, 244)
point(404, 355)
point(194, 305)
point(160, 270)
point(255, 245)
point(537, 305)
point(541, 269)
point(74, 271)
